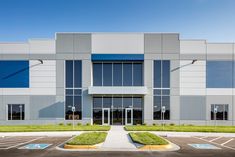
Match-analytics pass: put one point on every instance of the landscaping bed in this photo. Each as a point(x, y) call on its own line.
point(42, 128)
point(182, 128)
point(86, 140)
point(146, 138)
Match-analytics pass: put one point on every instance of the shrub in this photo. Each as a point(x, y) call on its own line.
point(172, 124)
point(69, 124)
point(61, 124)
point(145, 124)
point(88, 124)
point(78, 124)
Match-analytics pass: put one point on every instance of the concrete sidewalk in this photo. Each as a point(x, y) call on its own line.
point(118, 139)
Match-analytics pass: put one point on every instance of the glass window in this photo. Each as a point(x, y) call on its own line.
point(97, 102)
point(157, 74)
point(107, 74)
point(97, 74)
point(69, 74)
point(161, 89)
point(157, 107)
point(117, 74)
point(219, 74)
point(78, 107)
point(127, 74)
point(69, 91)
point(137, 102)
point(137, 74)
point(117, 102)
point(77, 74)
point(137, 116)
point(73, 89)
point(77, 92)
point(165, 74)
point(16, 112)
point(166, 103)
point(222, 112)
point(107, 102)
point(127, 102)
point(97, 116)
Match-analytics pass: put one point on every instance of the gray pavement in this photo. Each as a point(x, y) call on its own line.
point(118, 139)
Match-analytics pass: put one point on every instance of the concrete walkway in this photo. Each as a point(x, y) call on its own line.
point(118, 139)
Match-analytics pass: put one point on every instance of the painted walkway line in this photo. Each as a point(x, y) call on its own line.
point(118, 139)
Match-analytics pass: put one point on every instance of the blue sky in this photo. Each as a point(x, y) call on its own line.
point(213, 20)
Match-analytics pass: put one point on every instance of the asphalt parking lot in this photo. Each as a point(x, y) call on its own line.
point(12, 146)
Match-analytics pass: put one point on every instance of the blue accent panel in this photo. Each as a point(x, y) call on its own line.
point(117, 57)
point(219, 74)
point(14, 74)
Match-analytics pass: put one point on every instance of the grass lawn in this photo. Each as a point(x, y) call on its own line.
point(41, 128)
point(177, 128)
point(147, 138)
point(91, 138)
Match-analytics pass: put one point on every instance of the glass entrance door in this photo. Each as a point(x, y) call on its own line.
point(128, 116)
point(106, 116)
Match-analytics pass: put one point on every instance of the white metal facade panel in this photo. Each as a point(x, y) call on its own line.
point(193, 47)
point(192, 78)
point(43, 77)
point(42, 46)
point(118, 43)
point(219, 48)
point(219, 91)
point(14, 48)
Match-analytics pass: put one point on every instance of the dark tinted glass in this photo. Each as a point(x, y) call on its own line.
point(97, 102)
point(219, 74)
point(127, 74)
point(107, 74)
point(97, 74)
point(78, 107)
point(165, 74)
point(69, 74)
point(226, 112)
point(157, 107)
point(127, 102)
point(137, 74)
point(166, 103)
point(97, 116)
point(157, 74)
point(9, 112)
point(69, 91)
point(107, 102)
point(137, 116)
point(137, 102)
point(117, 74)
point(77, 74)
point(117, 102)
point(77, 92)
point(68, 107)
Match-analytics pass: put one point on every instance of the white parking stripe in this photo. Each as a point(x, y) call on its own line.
point(203, 137)
point(215, 139)
point(21, 143)
point(215, 143)
point(227, 142)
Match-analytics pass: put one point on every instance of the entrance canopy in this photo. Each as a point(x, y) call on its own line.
point(117, 90)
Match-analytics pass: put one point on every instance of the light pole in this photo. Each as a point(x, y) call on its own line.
point(163, 113)
point(215, 112)
point(20, 112)
point(73, 110)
